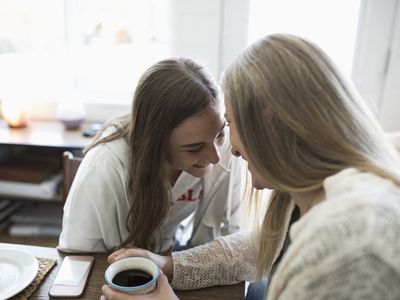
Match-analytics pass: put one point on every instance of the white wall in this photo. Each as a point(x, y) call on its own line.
point(195, 30)
point(211, 32)
point(376, 69)
point(389, 112)
point(235, 24)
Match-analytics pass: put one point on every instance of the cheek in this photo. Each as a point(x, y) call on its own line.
point(237, 144)
point(258, 181)
point(174, 158)
point(183, 160)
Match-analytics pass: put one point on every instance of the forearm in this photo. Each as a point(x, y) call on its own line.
point(227, 260)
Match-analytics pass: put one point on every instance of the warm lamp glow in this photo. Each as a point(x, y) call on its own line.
point(14, 114)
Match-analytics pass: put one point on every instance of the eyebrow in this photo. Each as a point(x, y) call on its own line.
point(200, 144)
point(192, 145)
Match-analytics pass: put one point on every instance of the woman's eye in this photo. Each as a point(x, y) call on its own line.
point(221, 135)
point(194, 150)
point(220, 139)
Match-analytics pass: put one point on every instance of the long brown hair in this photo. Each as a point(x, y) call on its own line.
point(300, 121)
point(168, 92)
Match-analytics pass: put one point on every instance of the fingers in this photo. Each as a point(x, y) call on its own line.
point(127, 252)
point(111, 294)
point(115, 254)
point(162, 280)
point(164, 290)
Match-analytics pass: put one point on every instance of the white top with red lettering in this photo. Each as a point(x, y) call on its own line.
point(97, 205)
point(184, 202)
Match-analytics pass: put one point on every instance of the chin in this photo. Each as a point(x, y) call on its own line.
point(260, 186)
point(200, 172)
point(257, 187)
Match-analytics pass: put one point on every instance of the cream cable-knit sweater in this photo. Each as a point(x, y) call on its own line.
point(347, 247)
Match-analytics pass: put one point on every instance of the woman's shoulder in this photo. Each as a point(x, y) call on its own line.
point(114, 151)
point(355, 211)
point(348, 254)
point(357, 223)
point(334, 245)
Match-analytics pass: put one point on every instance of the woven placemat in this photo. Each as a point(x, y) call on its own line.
point(45, 265)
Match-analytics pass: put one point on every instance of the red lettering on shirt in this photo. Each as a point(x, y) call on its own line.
point(188, 196)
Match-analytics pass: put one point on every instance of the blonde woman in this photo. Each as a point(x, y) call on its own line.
point(151, 169)
point(332, 227)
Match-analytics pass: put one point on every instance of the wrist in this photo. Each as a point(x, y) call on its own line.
point(168, 267)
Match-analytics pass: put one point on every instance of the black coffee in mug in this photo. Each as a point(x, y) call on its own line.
point(132, 277)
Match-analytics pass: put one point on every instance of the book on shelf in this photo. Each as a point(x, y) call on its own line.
point(7, 209)
point(47, 189)
point(44, 213)
point(4, 203)
point(32, 230)
point(37, 219)
point(4, 224)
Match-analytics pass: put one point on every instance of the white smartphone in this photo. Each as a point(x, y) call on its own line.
point(72, 276)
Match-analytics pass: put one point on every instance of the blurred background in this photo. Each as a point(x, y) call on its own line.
point(92, 52)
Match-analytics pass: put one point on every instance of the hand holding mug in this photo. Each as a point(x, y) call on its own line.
point(164, 262)
point(133, 275)
point(163, 292)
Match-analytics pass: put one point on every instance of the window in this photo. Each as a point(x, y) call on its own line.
point(330, 24)
point(92, 50)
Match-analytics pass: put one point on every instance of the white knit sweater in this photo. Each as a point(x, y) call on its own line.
point(347, 247)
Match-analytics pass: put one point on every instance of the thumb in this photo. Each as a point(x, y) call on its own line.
point(164, 290)
point(162, 280)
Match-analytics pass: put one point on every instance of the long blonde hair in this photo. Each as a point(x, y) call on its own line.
point(168, 92)
point(300, 121)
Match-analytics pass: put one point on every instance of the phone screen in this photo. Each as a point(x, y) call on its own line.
point(72, 276)
point(71, 271)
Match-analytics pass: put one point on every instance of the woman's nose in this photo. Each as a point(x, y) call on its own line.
point(236, 152)
point(213, 155)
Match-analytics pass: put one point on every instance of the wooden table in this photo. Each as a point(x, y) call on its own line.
point(96, 279)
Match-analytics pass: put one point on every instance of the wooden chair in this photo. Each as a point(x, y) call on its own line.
point(70, 166)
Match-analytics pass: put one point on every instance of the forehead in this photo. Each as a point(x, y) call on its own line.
point(198, 128)
point(227, 105)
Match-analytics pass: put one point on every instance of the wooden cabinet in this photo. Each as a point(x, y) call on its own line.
point(33, 155)
point(30, 158)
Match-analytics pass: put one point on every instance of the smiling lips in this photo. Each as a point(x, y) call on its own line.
point(201, 166)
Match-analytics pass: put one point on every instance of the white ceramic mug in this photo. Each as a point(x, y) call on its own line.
point(133, 263)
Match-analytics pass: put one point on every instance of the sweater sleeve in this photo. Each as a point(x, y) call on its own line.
point(226, 260)
point(363, 275)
